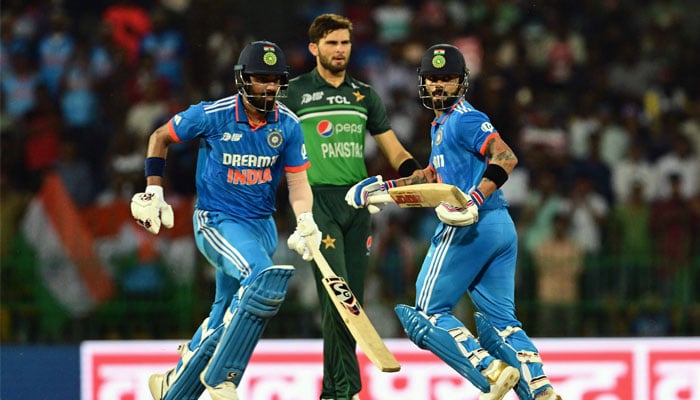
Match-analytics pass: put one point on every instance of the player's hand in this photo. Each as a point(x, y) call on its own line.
point(358, 194)
point(306, 229)
point(461, 216)
point(150, 209)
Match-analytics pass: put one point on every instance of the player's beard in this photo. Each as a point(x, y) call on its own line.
point(263, 102)
point(439, 104)
point(327, 63)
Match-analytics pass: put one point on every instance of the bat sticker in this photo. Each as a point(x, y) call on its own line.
point(345, 295)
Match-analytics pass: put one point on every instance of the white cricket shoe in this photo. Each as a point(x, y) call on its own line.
point(502, 377)
point(159, 384)
point(548, 394)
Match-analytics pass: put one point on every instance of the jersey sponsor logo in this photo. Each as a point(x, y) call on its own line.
point(177, 119)
point(486, 127)
point(324, 128)
point(248, 160)
point(308, 98)
point(342, 150)
point(231, 137)
point(274, 139)
point(337, 100)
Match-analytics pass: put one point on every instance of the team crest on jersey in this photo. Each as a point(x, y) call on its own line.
point(274, 139)
point(439, 58)
point(438, 137)
point(358, 96)
point(486, 127)
point(269, 58)
point(324, 128)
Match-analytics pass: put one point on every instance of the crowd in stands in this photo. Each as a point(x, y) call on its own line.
point(599, 99)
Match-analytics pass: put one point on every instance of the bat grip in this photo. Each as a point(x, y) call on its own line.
point(380, 198)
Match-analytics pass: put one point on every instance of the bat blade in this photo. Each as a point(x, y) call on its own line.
point(421, 195)
point(354, 316)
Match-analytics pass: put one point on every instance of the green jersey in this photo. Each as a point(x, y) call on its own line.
point(334, 122)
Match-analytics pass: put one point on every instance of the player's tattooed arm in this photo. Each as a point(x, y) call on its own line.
point(425, 175)
point(501, 154)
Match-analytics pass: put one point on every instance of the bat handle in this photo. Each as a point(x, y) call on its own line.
point(380, 198)
point(320, 260)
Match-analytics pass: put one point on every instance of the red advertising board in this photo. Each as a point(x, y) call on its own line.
point(580, 369)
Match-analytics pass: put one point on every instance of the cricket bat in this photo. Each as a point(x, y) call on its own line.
point(354, 316)
point(421, 195)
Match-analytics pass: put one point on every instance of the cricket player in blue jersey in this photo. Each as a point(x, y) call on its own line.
point(246, 142)
point(474, 248)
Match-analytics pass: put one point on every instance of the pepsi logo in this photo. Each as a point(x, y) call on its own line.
point(325, 128)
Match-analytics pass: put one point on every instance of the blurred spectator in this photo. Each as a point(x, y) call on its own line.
point(393, 20)
point(55, 48)
point(583, 122)
point(566, 53)
point(631, 243)
point(75, 173)
point(675, 226)
point(167, 47)
point(43, 128)
point(143, 115)
point(593, 167)
point(19, 85)
point(78, 97)
point(632, 170)
point(629, 75)
point(541, 206)
point(679, 161)
point(588, 211)
point(223, 46)
point(558, 264)
point(124, 169)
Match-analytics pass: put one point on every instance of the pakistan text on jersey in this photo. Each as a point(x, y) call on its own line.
point(342, 150)
point(248, 160)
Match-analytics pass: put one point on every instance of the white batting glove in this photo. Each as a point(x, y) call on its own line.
point(358, 194)
point(461, 216)
point(306, 227)
point(150, 209)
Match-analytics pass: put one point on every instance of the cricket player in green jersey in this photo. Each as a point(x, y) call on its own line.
point(336, 112)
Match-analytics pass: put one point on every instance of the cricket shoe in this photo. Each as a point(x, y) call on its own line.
point(223, 391)
point(159, 384)
point(502, 377)
point(547, 394)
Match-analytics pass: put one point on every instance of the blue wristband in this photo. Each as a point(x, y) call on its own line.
point(155, 166)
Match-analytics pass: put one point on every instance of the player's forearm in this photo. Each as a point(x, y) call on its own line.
point(158, 144)
point(502, 162)
point(300, 197)
point(425, 175)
